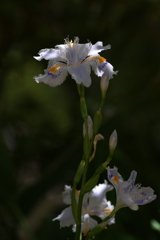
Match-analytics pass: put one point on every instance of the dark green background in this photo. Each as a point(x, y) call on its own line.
point(41, 139)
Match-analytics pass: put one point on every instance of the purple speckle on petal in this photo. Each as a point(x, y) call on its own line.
point(100, 67)
point(54, 75)
point(110, 176)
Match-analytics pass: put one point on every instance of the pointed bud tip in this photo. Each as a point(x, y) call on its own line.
point(90, 127)
point(113, 141)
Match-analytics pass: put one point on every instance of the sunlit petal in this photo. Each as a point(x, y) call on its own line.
point(48, 54)
point(53, 76)
point(81, 74)
point(97, 63)
point(108, 71)
point(98, 47)
point(98, 193)
point(83, 51)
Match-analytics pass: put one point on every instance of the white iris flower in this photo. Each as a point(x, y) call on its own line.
point(128, 194)
point(75, 59)
point(94, 204)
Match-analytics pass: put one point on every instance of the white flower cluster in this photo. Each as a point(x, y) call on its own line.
point(96, 204)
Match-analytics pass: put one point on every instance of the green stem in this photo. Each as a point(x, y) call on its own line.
point(111, 215)
point(86, 149)
point(102, 102)
point(78, 226)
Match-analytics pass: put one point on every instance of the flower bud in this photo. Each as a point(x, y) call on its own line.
point(107, 75)
point(113, 141)
point(104, 83)
point(90, 128)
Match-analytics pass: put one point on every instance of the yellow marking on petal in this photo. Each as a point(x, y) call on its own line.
point(115, 179)
point(100, 59)
point(142, 195)
point(107, 210)
point(55, 68)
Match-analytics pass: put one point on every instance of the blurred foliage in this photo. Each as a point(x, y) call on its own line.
point(41, 139)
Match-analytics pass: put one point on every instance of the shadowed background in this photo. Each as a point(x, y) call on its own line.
point(41, 137)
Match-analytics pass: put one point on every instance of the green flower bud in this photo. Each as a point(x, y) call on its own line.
point(113, 141)
point(104, 83)
point(90, 128)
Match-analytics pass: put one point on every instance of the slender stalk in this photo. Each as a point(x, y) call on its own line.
point(78, 226)
point(87, 146)
point(86, 149)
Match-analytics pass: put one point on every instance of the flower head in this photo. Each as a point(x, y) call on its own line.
point(128, 194)
point(75, 59)
point(94, 204)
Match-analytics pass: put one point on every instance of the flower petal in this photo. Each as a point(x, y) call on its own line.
point(107, 210)
point(67, 194)
point(53, 76)
point(66, 218)
point(81, 74)
point(73, 52)
point(48, 54)
point(97, 63)
point(88, 224)
point(97, 198)
point(108, 71)
point(124, 196)
point(98, 47)
point(83, 50)
point(114, 177)
point(143, 195)
point(132, 177)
